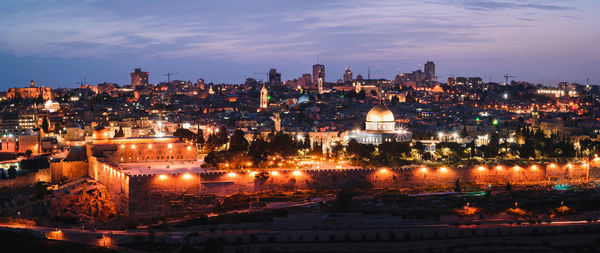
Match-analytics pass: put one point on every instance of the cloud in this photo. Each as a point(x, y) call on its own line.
point(503, 5)
point(249, 31)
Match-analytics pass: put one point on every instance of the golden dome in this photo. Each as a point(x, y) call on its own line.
point(380, 114)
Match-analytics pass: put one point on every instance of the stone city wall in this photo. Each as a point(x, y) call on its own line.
point(172, 194)
point(70, 170)
point(115, 181)
point(42, 175)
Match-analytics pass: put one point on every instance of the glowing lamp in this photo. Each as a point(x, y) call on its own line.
point(274, 173)
point(162, 177)
point(443, 169)
point(383, 170)
point(499, 167)
point(534, 167)
point(423, 169)
point(149, 146)
point(297, 173)
point(187, 176)
point(231, 174)
point(480, 168)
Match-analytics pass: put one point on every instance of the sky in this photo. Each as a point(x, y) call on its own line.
point(59, 42)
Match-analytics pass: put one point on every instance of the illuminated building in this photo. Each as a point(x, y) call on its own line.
point(470, 81)
point(318, 72)
point(264, 97)
point(320, 85)
point(31, 92)
point(430, 71)
point(139, 78)
point(277, 122)
point(140, 149)
point(347, 75)
point(380, 126)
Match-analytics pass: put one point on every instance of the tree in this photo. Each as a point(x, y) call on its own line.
point(395, 100)
point(237, 142)
point(258, 150)
point(493, 145)
point(457, 186)
point(120, 133)
point(200, 137)
point(185, 135)
point(12, 172)
point(353, 148)
point(212, 159)
point(45, 125)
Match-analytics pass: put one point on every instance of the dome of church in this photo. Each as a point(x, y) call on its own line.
point(380, 114)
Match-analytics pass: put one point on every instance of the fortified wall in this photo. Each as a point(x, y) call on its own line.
point(154, 195)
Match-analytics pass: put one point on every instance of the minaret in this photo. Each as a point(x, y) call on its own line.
point(277, 122)
point(264, 97)
point(320, 85)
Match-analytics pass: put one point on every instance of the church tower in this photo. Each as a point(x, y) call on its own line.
point(264, 97)
point(320, 85)
point(277, 122)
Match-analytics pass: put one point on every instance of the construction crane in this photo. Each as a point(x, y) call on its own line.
point(168, 75)
point(506, 76)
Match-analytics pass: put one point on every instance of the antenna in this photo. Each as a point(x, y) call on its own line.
point(318, 62)
point(378, 72)
point(369, 72)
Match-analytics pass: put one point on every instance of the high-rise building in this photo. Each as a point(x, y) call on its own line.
point(347, 75)
point(318, 72)
point(274, 77)
point(264, 97)
point(430, 71)
point(139, 78)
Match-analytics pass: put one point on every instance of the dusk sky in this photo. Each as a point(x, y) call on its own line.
point(57, 42)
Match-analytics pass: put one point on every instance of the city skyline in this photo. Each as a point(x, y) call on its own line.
point(59, 43)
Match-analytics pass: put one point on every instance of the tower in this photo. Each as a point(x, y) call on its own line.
point(318, 72)
point(274, 77)
point(277, 122)
point(31, 84)
point(347, 75)
point(139, 78)
point(264, 97)
point(430, 71)
point(320, 85)
point(357, 86)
